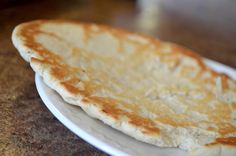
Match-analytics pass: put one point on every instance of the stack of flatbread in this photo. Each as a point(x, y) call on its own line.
point(157, 92)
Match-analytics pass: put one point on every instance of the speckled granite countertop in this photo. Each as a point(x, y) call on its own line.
point(26, 125)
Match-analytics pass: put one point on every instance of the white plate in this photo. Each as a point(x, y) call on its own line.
point(101, 135)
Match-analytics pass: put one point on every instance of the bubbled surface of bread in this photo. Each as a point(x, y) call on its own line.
point(154, 91)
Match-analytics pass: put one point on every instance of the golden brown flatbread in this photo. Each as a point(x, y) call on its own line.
point(154, 91)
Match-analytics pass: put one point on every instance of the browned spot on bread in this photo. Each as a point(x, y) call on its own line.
point(234, 106)
point(226, 129)
point(72, 89)
point(211, 128)
point(109, 106)
point(231, 141)
point(59, 72)
point(147, 124)
point(29, 31)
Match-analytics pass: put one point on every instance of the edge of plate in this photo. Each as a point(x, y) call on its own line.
point(73, 127)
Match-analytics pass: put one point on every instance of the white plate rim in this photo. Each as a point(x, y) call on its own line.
point(72, 126)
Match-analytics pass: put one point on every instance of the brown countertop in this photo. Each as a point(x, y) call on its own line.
point(26, 125)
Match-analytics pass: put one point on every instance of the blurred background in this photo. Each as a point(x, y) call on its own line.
point(27, 127)
point(206, 26)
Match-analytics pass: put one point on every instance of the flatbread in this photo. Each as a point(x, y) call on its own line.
point(157, 92)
